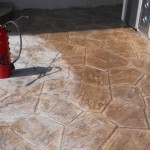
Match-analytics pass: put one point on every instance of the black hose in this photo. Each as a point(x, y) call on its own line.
point(14, 23)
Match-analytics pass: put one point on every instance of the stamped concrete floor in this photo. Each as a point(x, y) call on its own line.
point(82, 83)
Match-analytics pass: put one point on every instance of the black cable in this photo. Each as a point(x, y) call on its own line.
point(14, 23)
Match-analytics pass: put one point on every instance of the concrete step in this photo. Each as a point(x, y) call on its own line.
point(6, 12)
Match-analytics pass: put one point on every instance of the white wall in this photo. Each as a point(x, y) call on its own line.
point(52, 4)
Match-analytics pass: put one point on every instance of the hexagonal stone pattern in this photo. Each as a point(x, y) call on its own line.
point(76, 61)
point(72, 51)
point(143, 65)
point(88, 132)
point(10, 141)
point(17, 106)
point(78, 38)
point(53, 86)
point(129, 94)
point(90, 75)
point(88, 43)
point(125, 115)
point(144, 85)
point(140, 43)
point(125, 76)
point(18, 82)
point(104, 60)
point(42, 132)
point(143, 54)
point(54, 107)
point(38, 54)
point(2, 92)
point(88, 97)
point(21, 79)
point(147, 101)
point(128, 139)
point(122, 48)
point(101, 34)
point(62, 37)
point(34, 89)
point(82, 82)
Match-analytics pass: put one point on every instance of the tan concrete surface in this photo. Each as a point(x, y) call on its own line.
point(82, 83)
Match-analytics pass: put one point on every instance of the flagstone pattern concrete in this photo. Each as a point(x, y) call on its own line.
point(82, 83)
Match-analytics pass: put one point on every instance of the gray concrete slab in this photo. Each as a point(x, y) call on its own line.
point(6, 10)
point(54, 4)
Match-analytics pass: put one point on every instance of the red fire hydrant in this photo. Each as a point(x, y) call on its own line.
point(5, 62)
point(6, 66)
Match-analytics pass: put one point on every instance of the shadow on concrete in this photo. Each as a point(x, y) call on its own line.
point(31, 71)
point(67, 20)
point(38, 72)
